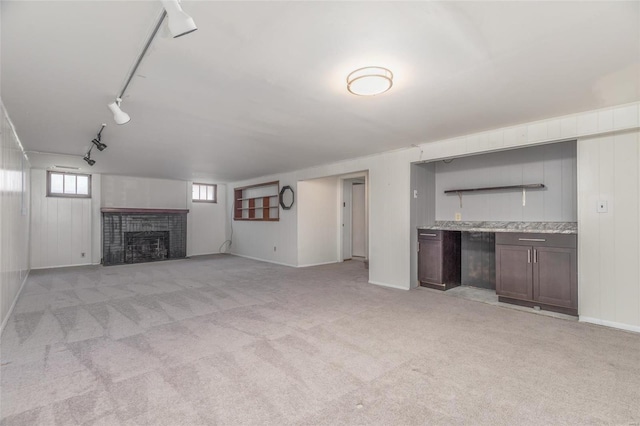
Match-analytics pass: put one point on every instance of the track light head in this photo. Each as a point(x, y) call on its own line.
point(119, 116)
point(179, 22)
point(101, 146)
point(88, 159)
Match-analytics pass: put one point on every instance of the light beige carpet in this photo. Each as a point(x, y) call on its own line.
point(230, 341)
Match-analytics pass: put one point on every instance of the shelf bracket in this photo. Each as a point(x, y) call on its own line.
point(460, 197)
point(524, 197)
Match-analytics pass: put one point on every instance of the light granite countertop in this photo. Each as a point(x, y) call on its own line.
point(533, 227)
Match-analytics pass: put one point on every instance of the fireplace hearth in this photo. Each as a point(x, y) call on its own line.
point(143, 235)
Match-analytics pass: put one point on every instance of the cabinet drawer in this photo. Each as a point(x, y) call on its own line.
point(425, 234)
point(540, 240)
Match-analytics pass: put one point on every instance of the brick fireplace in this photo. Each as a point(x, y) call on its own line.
point(143, 235)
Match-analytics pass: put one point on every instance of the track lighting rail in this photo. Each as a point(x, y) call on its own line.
point(144, 52)
point(179, 24)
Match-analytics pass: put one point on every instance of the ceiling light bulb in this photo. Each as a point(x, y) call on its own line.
point(119, 116)
point(369, 81)
point(179, 22)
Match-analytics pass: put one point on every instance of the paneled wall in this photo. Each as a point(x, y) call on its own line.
point(127, 191)
point(61, 228)
point(318, 221)
point(14, 217)
point(609, 243)
point(206, 224)
point(553, 165)
point(65, 228)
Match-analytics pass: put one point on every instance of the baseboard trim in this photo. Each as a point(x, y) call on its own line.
point(263, 260)
point(64, 266)
point(189, 256)
point(388, 285)
point(5, 320)
point(318, 264)
point(611, 324)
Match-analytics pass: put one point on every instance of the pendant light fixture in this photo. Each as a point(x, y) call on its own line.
point(369, 81)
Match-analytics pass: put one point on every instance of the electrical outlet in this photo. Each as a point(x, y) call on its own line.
point(415, 193)
point(458, 216)
point(603, 207)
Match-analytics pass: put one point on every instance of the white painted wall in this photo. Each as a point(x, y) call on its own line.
point(609, 243)
point(127, 191)
point(390, 232)
point(256, 240)
point(388, 173)
point(14, 217)
point(61, 228)
point(553, 165)
point(206, 224)
point(318, 229)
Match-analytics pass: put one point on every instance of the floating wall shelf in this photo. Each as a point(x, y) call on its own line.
point(497, 188)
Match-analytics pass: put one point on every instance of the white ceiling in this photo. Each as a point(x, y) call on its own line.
point(260, 87)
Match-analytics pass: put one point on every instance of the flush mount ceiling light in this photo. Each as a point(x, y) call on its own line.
point(369, 81)
point(179, 22)
point(119, 116)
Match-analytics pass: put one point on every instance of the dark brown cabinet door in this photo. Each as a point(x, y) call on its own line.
point(555, 277)
point(430, 261)
point(514, 271)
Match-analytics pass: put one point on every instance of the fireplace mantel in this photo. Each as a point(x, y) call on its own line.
point(142, 211)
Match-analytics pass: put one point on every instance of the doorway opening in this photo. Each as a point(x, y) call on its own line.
point(354, 218)
point(330, 227)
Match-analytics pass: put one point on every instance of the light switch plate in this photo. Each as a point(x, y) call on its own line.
point(602, 206)
point(458, 217)
point(415, 193)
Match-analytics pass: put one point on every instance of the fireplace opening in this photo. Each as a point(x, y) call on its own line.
point(146, 246)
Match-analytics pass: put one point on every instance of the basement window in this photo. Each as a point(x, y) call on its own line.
point(205, 193)
point(74, 185)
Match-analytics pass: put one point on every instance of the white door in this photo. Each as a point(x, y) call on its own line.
point(358, 222)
